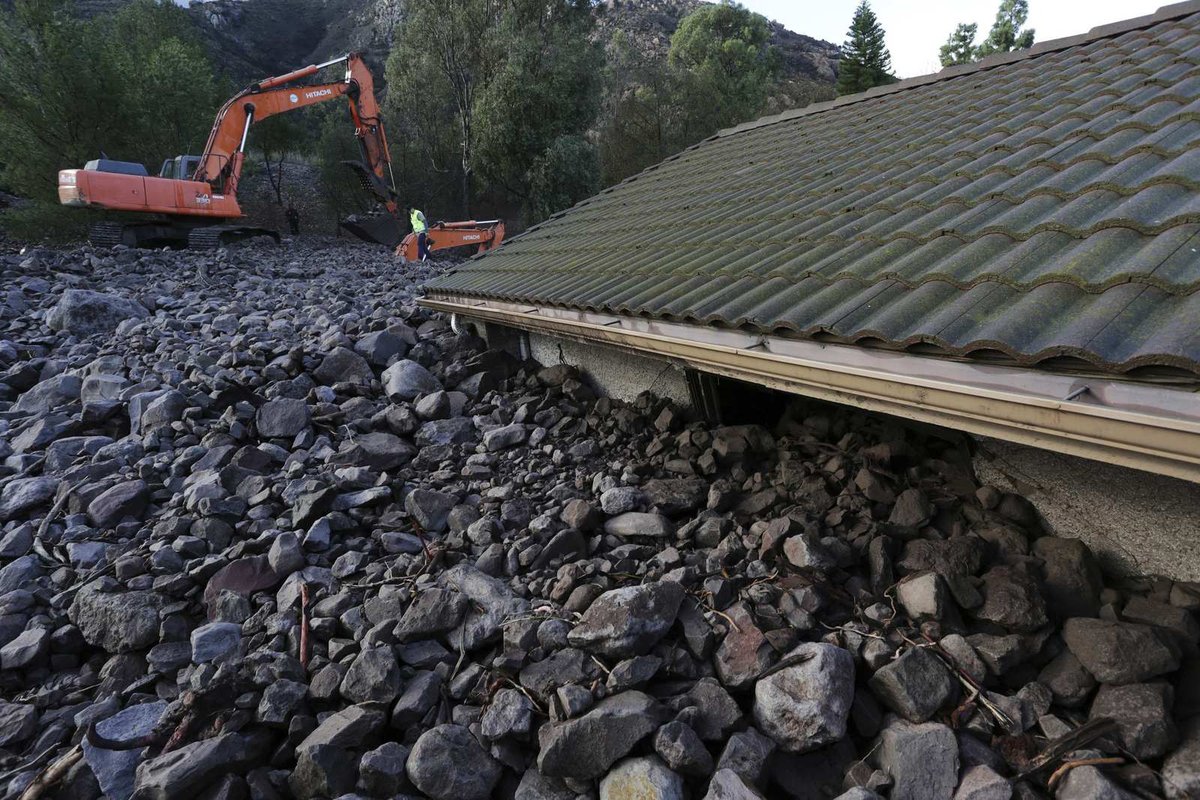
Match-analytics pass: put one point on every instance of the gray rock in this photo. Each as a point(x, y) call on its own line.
point(1067, 680)
point(50, 394)
point(1011, 598)
point(381, 771)
point(381, 347)
point(284, 417)
point(279, 702)
point(806, 551)
point(118, 623)
point(921, 759)
point(638, 525)
point(343, 366)
point(18, 722)
point(586, 747)
point(1089, 783)
point(1180, 621)
point(1181, 769)
point(420, 693)
point(805, 706)
point(19, 572)
point(746, 755)
point(81, 312)
point(915, 685)
point(859, 793)
point(509, 714)
point(646, 778)
point(379, 450)
point(982, 783)
point(435, 611)
point(923, 596)
point(447, 763)
point(1071, 577)
point(29, 648)
point(127, 499)
point(405, 380)
point(504, 437)
point(621, 500)
point(628, 621)
point(728, 785)
point(347, 729)
point(161, 411)
point(115, 769)
point(322, 771)
point(1120, 652)
point(215, 641)
point(184, 771)
point(679, 746)
point(1142, 712)
point(456, 430)
point(430, 509)
point(536, 786)
point(285, 556)
point(20, 495)
point(373, 677)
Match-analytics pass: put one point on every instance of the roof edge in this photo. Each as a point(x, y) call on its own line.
point(1168, 12)
point(1147, 428)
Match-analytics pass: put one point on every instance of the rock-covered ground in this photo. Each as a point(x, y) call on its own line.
point(268, 529)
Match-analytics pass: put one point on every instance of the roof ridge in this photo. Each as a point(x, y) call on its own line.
point(1164, 13)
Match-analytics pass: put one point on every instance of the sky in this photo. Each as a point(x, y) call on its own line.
point(915, 29)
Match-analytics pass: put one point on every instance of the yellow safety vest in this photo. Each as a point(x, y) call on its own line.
point(417, 220)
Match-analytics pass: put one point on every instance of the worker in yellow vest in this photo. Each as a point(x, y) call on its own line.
point(417, 220)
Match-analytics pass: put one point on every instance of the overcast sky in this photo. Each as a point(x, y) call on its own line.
point(917, 28)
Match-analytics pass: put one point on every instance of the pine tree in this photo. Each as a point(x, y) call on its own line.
point(960, 46)
point(865, 61)
point(1006, 33)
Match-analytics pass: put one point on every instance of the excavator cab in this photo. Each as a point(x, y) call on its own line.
point(180, 168)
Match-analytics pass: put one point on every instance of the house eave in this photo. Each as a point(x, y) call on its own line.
point(1143, 426)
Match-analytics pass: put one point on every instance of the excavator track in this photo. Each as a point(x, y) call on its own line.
point(106, 234)
point(210, 237)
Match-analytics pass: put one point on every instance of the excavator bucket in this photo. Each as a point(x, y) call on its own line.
point(381, 229)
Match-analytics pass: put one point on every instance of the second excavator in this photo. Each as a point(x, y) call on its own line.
point(192, 202)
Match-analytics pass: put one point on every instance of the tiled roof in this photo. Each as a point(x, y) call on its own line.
point(1037, 208)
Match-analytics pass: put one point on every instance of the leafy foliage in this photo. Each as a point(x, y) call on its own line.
point(865, 60)
point(960, 46)
point(1005, 36)
point(135, 85)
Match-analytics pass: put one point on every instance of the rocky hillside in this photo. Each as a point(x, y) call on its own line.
point(248, 40)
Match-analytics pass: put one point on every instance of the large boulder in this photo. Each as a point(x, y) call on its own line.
point(81, 312)
point(22, 494)
point(805, 706)
point(404, 380)
point(116, 622)
point(628, 621)
point(584, 748)
point(1121, 652)
point(448, 763)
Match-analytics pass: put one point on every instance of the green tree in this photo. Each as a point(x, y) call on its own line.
point(960, 46)
point(542, 94)
point(1006, 34)
point(439, 60)
point(135, 85)
point(865, 60)
point(641, 111)
point(727, 65)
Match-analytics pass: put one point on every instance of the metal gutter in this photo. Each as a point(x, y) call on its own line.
point(1141, 426)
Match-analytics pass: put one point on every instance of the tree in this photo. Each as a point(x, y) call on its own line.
point(276, 138)
point(435, 69)
point(542, 94)
point(960, 46)
point(727, 63)
point(1006, 34)
point(865, 60)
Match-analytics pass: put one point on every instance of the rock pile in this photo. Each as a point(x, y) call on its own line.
point(268, 529)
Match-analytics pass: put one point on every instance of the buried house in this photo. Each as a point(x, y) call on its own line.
point(1010, 249)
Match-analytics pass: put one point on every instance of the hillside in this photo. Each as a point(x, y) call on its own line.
point(247, 40)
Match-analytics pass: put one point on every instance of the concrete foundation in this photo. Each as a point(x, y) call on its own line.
point(614, 372)
point(1135, 522)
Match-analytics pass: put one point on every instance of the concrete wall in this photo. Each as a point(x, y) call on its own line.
point(617, 373)
point(1136, 522)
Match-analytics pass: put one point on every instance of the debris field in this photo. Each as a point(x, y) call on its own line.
point(268, 529)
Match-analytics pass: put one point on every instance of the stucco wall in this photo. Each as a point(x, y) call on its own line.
point(1135, 522)
point(619, 374)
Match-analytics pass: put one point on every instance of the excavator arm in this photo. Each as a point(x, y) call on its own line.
point(224, 153)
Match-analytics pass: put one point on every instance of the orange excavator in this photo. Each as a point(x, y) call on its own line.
point(192, 201)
